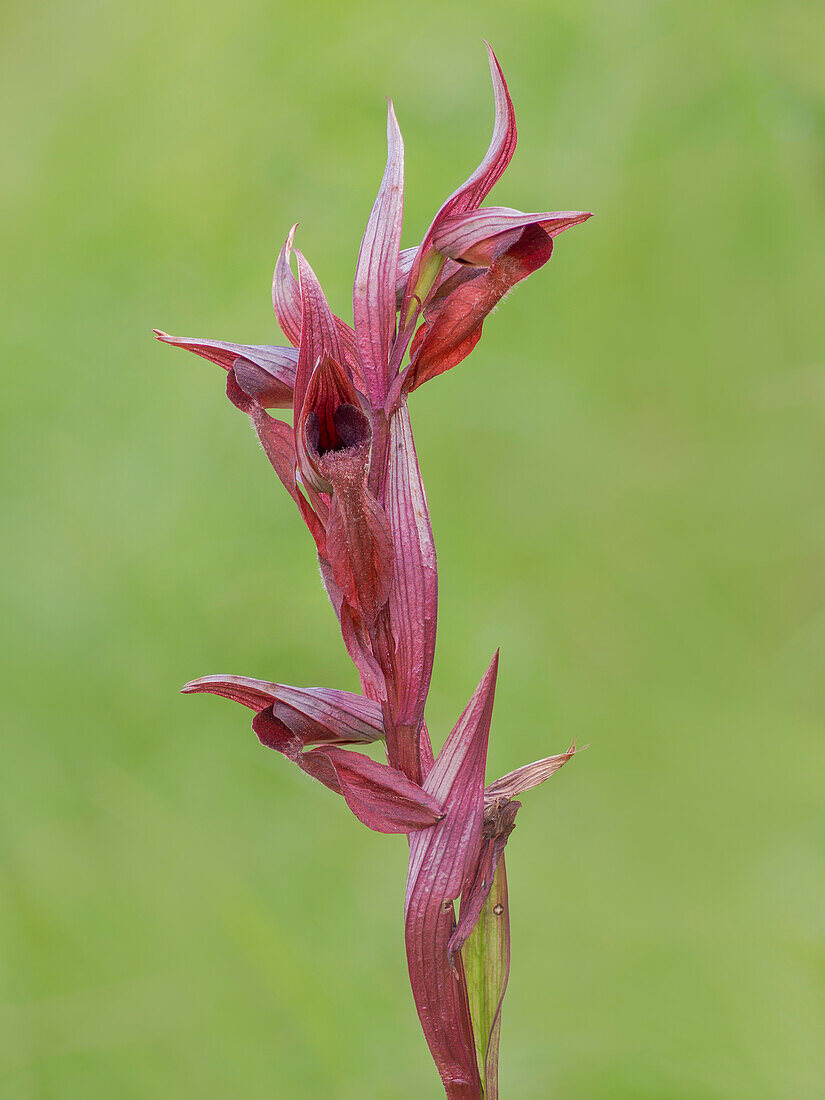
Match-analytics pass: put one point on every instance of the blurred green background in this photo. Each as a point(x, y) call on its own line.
point(623, 490)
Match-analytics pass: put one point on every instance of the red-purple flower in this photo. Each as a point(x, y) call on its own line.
point(348, 461)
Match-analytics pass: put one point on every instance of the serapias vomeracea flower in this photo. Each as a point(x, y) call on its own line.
point(349, 463)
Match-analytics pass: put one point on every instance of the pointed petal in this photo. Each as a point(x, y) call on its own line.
point(373, 301)
point(412, 606)
point(286, 294)
point(475, 189)
point(499, 153)
point(312, 714)
point(487, 963)
point(379, 796)
point(319, 335)
point(269, 371)
point(479, 236)
point(527, 777)
point(439, 861)
point(286, 299)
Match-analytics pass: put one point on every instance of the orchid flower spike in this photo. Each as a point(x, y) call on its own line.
point(348, 461)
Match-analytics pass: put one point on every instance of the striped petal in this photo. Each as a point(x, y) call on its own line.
point(286, 300)
point(373, 301)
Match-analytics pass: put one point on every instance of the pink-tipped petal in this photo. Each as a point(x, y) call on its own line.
point(440, 860)
point(286, 294)
point(373, 301)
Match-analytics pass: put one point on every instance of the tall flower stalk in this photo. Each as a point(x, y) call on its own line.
point(349, 463)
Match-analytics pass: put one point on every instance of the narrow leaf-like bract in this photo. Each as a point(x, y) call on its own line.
point(413, 597)
point(373, 300)
point(440, 860)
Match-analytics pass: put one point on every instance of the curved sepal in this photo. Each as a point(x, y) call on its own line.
point(314, 714)
point(286, 294)
point(269, 371)
point(412, 606)
point(480, 236)
point(475, 189)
